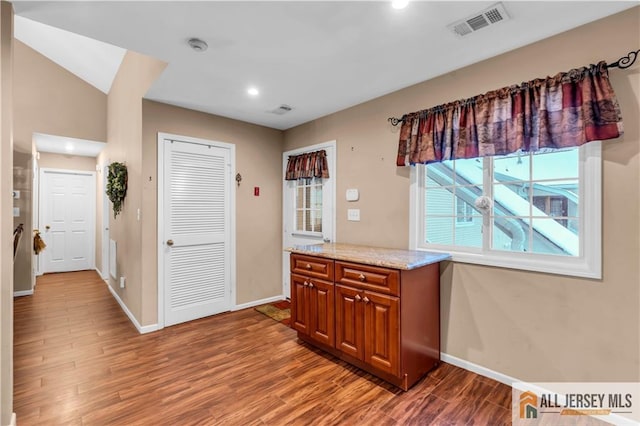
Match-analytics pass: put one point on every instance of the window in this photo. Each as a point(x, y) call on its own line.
point(308, 216)
point(543, 215)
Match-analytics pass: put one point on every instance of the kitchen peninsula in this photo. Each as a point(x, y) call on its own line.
point(376, 308)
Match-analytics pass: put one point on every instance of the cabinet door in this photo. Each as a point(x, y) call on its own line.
point(381, 332)
point(349, 321)
point(321, 312)
point(299, 304)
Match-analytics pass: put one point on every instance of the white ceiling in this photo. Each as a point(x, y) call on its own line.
point(317, 57)
point(69, 146)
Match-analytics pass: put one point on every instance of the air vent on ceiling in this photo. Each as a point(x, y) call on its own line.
point(282, 109)
point(491, 16)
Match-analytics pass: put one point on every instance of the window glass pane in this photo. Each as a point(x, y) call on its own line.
point(465, 200)
point(468, 172)
point(551, 237)
point(307, 220)
point(299, 220)
point(439, 230)
point(299, 197)
point(556, 165)
point(439, 174)
point(316, 216)
point(511, 199)
point(316, 202)
point(469, 231)
point(510, 168)
point(556, 198)
point(439, 201)
point(510, 234)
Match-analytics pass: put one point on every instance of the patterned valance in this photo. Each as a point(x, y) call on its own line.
point(308, 165)
point(567, 110)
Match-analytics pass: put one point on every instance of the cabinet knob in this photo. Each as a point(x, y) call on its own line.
point(366, 299)
point(357, 297)
point(361, 277)
point(306, 284)
point(308, 266)
point(310, 285)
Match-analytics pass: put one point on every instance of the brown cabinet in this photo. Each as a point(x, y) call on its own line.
point(312, 299)
point(383, 320)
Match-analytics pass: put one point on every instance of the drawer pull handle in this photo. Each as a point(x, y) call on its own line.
point(361, 277)
point(357, 297)
point(308, 266)
point(310, 285)
point(366, 299)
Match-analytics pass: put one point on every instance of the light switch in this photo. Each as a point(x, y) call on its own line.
point(353, 215)
point(353, 194)
point(16, 212)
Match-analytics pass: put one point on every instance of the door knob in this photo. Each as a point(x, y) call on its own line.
point(310, 285)
point(366, 299)
point(47, 227)
point(169, 243)
point(361, 277)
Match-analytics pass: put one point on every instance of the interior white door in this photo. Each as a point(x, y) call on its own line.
point(67, 214)
point(299, 195)
point(197, 230)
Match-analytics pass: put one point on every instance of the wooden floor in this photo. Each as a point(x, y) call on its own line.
point(78, 360)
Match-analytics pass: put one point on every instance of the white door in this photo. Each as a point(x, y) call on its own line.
point(67, 220)
point(196, 229)
point(308, 208)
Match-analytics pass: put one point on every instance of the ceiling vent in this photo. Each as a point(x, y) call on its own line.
point(491, 16)
point(282, 109)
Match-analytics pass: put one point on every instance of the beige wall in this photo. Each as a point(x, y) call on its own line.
point(49, 160)
point(531, 326)
point(258, 219)
point(6, 204)
point(51, 100)
point(124, 144)
point(23, 182)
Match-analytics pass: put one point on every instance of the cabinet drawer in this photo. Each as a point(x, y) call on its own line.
point(312, 266)
point(366, 277)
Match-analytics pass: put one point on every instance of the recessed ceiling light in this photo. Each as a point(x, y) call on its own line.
point(399, 4)
point(198, 45)
point(253, 91)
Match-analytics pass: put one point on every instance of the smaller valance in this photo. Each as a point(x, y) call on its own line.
point(307, 165)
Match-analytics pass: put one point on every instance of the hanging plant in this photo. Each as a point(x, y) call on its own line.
point(117, 186)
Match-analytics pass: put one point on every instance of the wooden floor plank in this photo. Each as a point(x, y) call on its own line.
point(79, 361)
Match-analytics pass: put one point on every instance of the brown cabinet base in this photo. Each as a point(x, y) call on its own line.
point(385, 321)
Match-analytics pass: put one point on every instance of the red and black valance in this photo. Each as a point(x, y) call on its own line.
point(307, 165)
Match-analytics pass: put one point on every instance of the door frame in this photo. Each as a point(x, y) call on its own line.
point(106, 217)
point(92, 210)
point(162, 137)
point(332, 184)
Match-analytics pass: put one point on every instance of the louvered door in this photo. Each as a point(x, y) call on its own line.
point(197, 212)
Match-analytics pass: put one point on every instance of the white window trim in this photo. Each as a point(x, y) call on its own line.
point(587, 265)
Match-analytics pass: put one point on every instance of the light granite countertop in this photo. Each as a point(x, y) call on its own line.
point(377, 256)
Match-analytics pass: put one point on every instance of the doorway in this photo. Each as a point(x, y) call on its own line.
point(299, 201)
point(196, 228)
point(67, 214)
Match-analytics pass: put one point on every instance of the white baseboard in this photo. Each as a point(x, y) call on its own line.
point(258, 302)
point(23, 293)
point(478, 369)
point(141, 329)
point(14, 420)
point(100, 273)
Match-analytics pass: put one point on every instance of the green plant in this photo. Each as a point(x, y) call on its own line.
point(117, 186)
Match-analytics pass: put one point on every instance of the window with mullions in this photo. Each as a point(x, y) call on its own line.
point(309, 205)
point(543, 212)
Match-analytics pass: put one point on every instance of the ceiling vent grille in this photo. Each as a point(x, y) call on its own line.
point(491, 16)
point(282, 109)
